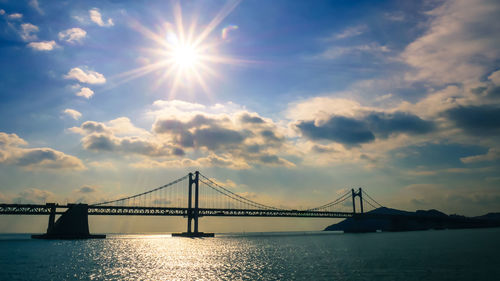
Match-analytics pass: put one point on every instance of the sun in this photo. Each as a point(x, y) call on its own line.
point(183, 56)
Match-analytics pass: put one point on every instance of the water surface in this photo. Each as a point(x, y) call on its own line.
point(420, 255)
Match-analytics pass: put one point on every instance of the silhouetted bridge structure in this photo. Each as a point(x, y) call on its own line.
point(203, 197)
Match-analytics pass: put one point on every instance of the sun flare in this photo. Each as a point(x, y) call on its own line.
point(183, 56)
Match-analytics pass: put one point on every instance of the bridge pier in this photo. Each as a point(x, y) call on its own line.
point(193, 213)
point(72, 224)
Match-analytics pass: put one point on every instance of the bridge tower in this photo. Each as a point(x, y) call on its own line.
point(193, 213)
point(355, 194)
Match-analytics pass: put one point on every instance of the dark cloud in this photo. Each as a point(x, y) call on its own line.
point(255, 148)
point(86, 189)
point(494, 92)
point(353, 132)
point(200, 131)
point(200, 120)
point(347, 131)
point(229, 140)
point(44, 158)
point(247, 118)
point(385, 124)
point(213, 138)
point(322, 149)
point(477, 120)
point(176, 126)
point(91, 127)
point(99, 142)
point(169, 125)
point(127, 145)
point(270, 136)
point(178, 152)
point(35, 156)
point(186, 139)
point(139, 146)
point(244, 137)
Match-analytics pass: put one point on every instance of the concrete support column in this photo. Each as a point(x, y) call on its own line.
point(196, 200)
point(52, 216)
point(190, 208)
point(360, 194)
point(353, 196)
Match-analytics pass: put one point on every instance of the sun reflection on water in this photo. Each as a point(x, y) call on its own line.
point(376, 256)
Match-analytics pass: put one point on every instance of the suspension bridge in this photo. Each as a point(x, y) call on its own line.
point(203, 196)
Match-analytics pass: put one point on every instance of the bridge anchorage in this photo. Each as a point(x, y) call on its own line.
point(203, 197)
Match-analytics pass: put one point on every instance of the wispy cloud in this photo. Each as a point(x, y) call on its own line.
point(72, 113)
point(395, 16)
point(351, 31)
point(492, 155)
point(35, 5)
point(96, 17)
point(28, 32)
point(336, 52)
point(15, 16)
point(72, 35)
point(458, 46)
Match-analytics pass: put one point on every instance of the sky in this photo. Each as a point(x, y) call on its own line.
point(288, 102)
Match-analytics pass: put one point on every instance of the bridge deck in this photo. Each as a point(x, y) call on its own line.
point(35, 209)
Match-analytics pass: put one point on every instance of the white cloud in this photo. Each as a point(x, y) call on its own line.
point(395, 16)
point(72, 35)
point(492, 155)
point(460, 45)
point(12, 152)
point(383, 97)
point(321, 108)
point(201, 135)
point(495, 77)
point(43, 45)
point(35, 195)
point(35, 5)
point(96, 17)
point(351, 31)
point(2, 12)
point(73, 113)
point(15, 16)
point(85, 92)
point(335, 52)
point(210, 161)
point(28, 31)
point(85, 76)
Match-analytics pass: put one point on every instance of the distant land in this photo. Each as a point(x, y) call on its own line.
point(387, 219)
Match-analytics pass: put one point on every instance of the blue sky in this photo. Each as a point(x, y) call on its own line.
point(286, 101)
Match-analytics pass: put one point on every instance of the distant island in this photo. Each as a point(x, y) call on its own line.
point(387, 219)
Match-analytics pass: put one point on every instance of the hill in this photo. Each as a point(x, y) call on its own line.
point(387, 219)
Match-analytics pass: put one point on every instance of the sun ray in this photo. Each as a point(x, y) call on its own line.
point(178, 21)
point(202, 83)
point(224, 12)
point(187, 58)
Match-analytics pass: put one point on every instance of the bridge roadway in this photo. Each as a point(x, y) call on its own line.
point(39, 209)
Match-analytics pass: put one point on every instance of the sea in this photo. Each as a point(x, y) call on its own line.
point(467, 254)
